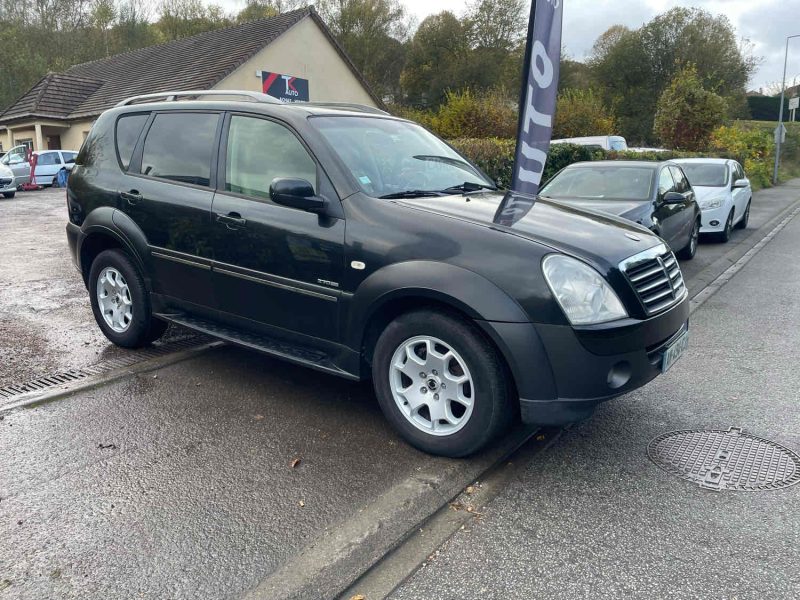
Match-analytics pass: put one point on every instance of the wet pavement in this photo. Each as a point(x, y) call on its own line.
point(46, 322)
point(178, 482)
point(593, 518)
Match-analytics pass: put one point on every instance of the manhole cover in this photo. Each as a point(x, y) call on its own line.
point(726, 460)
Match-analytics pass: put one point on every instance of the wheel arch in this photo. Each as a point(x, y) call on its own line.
point(106, 228)
point(416, 285)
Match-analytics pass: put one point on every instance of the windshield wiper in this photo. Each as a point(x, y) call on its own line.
point(469, 186)
point(412, 194)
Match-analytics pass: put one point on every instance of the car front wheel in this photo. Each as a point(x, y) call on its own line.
point(725, 234)
point(120, 302)
point(688, 251)
point(9, 195)
point(742, 224)
point(441, 383)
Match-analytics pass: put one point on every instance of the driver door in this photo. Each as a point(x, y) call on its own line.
point(274, 266)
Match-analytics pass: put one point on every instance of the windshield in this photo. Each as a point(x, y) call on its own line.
point(706, 174)
point(389, 157)
point(617, 143)
point(601, 183)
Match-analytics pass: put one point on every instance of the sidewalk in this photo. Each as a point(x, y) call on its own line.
point(594, 518)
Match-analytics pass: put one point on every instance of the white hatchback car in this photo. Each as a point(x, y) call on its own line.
point(722, 192)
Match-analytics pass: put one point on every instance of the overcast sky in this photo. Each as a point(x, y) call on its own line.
point(766, 23)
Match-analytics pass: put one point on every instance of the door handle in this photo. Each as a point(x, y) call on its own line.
point(232, 220)
point(133, 197)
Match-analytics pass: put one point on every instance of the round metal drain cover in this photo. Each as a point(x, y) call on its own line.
point(726, 460)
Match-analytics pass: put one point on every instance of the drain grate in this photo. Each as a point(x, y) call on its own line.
point(726, 460)
point(40, 384)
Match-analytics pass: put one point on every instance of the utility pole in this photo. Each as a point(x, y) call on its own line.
point(779, 130)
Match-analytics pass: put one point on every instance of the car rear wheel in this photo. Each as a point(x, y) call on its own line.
point(688, 251)
point(742, 224)
point(725, 234)
point(120, 301)
point(440, 383)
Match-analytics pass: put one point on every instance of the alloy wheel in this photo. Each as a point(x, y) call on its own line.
point(114, 299)
point(431, 385)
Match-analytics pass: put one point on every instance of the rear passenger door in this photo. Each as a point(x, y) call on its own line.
point(167, 191)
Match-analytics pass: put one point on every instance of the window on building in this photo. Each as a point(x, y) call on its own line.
point(128, 129)
point(179, 147)
point(259, 151)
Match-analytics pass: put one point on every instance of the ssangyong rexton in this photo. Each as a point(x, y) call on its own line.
point(360, 244)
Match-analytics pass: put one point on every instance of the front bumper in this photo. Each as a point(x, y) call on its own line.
point(717, 215)
point(562, 373)
point(7, 184)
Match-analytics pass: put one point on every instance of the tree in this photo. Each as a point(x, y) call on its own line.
point(634, 67)
point(372, 32)
point(687, 113)
point(497, 24)
point(580, 113)
point(434, 59)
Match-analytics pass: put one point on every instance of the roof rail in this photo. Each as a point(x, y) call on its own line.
point(174, 96)
point(347, 106)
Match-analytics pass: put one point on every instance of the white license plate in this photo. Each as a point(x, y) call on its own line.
point(674, 351)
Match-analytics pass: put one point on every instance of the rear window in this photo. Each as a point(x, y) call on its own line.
point(179, 146)
point(128, 129)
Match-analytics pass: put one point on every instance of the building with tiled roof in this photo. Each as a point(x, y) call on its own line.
point(294, 55)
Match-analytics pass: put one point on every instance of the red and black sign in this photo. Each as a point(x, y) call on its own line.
point(284, 87)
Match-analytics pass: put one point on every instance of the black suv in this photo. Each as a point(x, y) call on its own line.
point(360, 244)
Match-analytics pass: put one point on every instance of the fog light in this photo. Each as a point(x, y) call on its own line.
point(619, 374)
point(714, 223)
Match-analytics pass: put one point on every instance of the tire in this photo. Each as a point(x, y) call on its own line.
point(492, 409)
point(742, 224)
point(688, 251)
point(9, 195)
point(124, 281)
point(725, 234)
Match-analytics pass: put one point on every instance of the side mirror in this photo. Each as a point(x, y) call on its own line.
point(741, 183)
point(296, 193)
point(674, 198)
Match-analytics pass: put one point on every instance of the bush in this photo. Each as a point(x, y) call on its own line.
point(753, 148)
point(465, 114)
point(580, 113)
point(494, 156)
point(687, 113)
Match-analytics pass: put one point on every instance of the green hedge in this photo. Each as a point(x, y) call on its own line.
point(746, 143)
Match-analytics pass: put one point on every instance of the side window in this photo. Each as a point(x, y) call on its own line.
point(665, 183)
point(681, 183)
point(259, 151)
point(179, 146)
point(48, 159)
point(739, 172)
point(128, 129)
point(69, 157)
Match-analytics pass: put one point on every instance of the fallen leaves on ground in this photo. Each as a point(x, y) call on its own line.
point(294, 462)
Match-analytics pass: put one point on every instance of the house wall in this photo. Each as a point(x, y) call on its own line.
point(303, 51)
point(5, 140)
point(22, 134)
point(72, 138)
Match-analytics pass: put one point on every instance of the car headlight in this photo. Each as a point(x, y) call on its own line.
point(711, 203)
point(583, 294)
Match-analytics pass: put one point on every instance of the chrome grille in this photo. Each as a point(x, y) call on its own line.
point(656, 278)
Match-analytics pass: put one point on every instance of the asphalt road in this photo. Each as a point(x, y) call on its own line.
point(177, 482)
point(592, 517)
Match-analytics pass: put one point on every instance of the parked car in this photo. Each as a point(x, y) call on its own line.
point(600, 142)
point(8, 187)
point(48, 164)
point(723, 193)
point(654, 194)
point(359, 244)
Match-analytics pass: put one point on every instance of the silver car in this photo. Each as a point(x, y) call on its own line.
point(48, 164)
point(8, 186)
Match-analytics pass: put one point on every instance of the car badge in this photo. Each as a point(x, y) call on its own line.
point(633, 237)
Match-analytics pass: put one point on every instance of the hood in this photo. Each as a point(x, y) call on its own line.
point(5, 171)
point(706, 193)
point(598, 237)
point(627, 209)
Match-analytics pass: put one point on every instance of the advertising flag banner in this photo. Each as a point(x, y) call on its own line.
point(284, 87)
point(538, 95)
